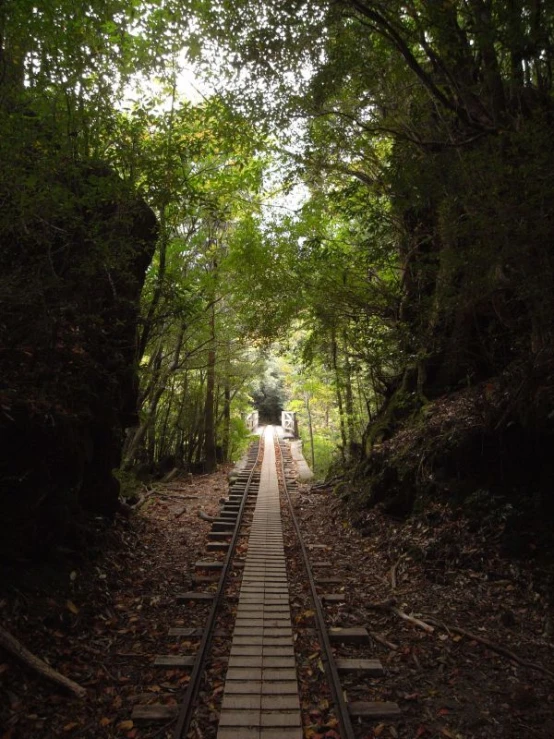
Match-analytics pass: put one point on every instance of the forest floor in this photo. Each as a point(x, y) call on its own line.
point(100, 616)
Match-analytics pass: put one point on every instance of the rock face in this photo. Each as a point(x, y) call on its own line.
point(73, 263)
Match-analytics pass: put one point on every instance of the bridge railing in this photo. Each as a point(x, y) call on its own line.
point(289, 423)
point(252, 421)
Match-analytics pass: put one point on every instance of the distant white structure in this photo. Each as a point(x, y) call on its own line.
point(289, 424)
point(252, 421)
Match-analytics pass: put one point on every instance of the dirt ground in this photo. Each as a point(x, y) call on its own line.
point(484, 668)
point(100, 616)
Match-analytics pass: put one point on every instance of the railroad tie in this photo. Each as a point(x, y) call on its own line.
point(260, 700)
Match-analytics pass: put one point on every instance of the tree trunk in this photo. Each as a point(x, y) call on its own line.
point(140, 433)
point(226, 439)
point(310, 428)
point(338, 391)
point(349, 397)
point(164, 435)
point(210, 457)
point(161, 378)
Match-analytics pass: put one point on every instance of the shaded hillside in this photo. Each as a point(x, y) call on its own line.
point(470, 414)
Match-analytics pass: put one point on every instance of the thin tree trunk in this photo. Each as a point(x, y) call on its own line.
point(162, 440)
point(338, 383)
point(197, 435)
point(310, 427)
point(141, 431)
point(484, 35)
point(349, 397)
point(226, 438)
point(210, 457)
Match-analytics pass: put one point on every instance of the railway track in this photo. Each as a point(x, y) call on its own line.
point(346, 652)
point(250, 629)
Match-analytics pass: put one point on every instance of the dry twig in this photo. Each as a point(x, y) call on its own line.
point(382, 640)
point(390, 605)
point(493, 647)
point(413, 620)
point(392, 573)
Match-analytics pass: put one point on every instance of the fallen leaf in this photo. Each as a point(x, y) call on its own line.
point(125, 725)
point(448, 733)
point(378, 730)
point(70, 605)
point(71, 726)
point(105, 721)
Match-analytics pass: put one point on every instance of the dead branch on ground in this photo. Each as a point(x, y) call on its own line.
point(390, 605)
point(382, 640)
point(15, 647)
point(492, 646)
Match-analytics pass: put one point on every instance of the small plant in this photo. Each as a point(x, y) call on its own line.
point(128, 483)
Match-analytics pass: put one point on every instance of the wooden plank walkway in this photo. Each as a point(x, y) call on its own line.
point(260, 700)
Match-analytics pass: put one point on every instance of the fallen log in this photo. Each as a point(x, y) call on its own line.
point(15, 647)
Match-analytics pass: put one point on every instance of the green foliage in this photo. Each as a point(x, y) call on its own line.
point(128, 483)
point(372, 223)
point(325, 452)
point(240, 439)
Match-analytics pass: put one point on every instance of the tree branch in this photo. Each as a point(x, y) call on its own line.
point(14, 646)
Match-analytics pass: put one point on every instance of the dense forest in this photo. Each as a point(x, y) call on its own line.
point(348, 211)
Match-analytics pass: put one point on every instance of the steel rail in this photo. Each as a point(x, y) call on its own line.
point(345, 724)
point(187, 707)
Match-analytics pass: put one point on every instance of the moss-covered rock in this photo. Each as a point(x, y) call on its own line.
point(73, 264)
